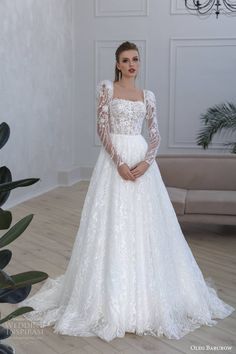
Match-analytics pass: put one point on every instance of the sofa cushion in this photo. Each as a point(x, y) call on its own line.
point(198, 172)
point(177, 197)
point(210, 202)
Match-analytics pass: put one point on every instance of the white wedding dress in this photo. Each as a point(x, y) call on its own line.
point(131, 269)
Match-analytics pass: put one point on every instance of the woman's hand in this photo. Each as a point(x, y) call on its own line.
point(134, 172)
point(139, 169)
point(125, 172)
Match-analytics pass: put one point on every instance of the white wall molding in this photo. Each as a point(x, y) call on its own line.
point(176, 45)
point(177, 7)
point(121, 8)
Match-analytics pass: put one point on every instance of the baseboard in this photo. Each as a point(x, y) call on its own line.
point(64, 178)
point(70, 177)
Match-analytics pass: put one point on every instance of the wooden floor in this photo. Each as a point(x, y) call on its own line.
point(46, 245)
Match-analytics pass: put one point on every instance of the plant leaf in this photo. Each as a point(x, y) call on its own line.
point(4, 133)
point(5, 257)
point(30, 277)
point(5, 177)
point(219, 117)
point(14, 295)
point(15, 231)
point(4, 332)
point(5, 219)
point(5, 280)
point(6, 349)
point(20, 311)
point(22, 279)
point(20, 183)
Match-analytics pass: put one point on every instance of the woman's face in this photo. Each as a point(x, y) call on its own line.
point(129, 63)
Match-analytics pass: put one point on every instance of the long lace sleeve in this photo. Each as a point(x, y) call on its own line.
point(153, 131)
point(103, 94)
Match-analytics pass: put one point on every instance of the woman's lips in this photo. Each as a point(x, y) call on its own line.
point(131, 70)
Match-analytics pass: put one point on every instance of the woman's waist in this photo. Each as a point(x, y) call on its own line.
point(126, 134)
point(131, 147)
point(128, 139)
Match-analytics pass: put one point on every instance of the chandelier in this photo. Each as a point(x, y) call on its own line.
point(210, 6)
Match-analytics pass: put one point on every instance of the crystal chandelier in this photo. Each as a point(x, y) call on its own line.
point(210, 6)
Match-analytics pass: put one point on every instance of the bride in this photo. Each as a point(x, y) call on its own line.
point(131, 269)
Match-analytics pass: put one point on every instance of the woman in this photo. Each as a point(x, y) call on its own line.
point(131, 269)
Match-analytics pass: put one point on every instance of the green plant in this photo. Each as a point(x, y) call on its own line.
point(13, 288)
point(217, 118)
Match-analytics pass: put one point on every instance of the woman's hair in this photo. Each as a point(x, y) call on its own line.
point(124, 46)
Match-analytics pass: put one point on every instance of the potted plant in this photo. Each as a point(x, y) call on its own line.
point(13, 288)
point(217, 118)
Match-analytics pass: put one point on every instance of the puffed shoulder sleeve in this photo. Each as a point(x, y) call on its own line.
point(152, 125)
point(103, 97)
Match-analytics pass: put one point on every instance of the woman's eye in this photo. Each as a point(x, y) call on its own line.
point(125, 60)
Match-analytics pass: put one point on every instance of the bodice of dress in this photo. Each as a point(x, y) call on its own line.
point(126, 116)
point(122, 116)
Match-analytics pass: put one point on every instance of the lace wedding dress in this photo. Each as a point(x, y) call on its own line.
point(131, 269)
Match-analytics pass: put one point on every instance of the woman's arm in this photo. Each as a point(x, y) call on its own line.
point(153, 131)
point(103, 126)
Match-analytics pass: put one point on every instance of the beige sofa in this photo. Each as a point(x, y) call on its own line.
point(202, 187)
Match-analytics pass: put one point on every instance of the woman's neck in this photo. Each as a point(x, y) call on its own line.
point(127, 83)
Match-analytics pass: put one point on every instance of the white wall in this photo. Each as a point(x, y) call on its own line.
point(36, 90)
point(53, 52)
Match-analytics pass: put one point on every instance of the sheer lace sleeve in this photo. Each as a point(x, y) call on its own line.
point(152, 124)
point(103, 96)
